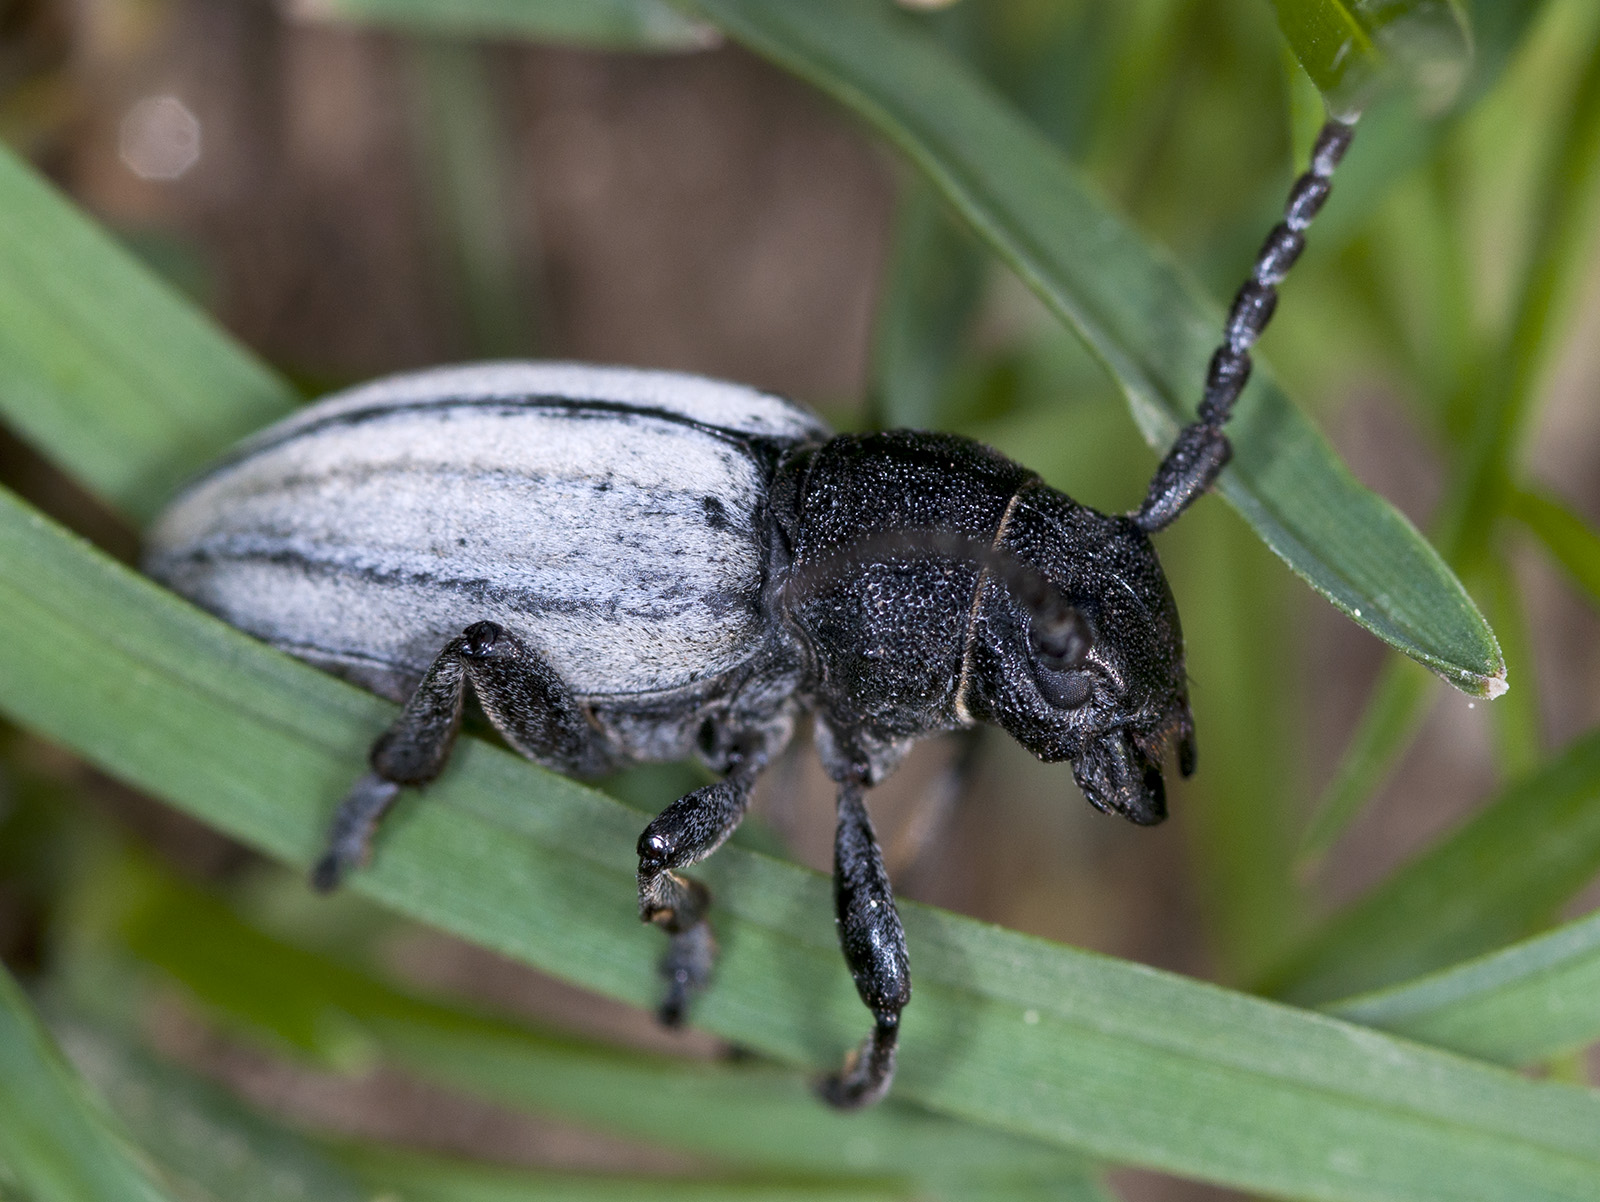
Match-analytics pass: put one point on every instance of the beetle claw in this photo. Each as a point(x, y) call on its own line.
point(867, 1073)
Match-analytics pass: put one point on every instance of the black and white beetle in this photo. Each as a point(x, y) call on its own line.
point(628, 565)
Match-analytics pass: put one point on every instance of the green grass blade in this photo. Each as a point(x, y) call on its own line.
point(1570, 540)
point(1241, 833)
point(602, 24)
point(202, 1136)
point(930, 294)
point(1074, 1049)
point(1518, 724)
point(1568, 191)
point(1143, 317)
point(1390, 720)
point(430, 1179)
point(1396, 138)
point(1563, 244)
point(112, 375)
point(1064, 1190)
point(1568, 196)
point(462, 147)
point(1351, 48)
point(55, 1139)
point(1522, 1005)
point(754, 1117)
point(1506, 390)
point(1494, 880)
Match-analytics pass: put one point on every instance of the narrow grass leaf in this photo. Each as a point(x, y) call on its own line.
point(1242, 835)
point(1396, 137)
point(1353, 48)
point(1568, 194)
point(112, 375)
point(1564, 238)
point(1064, 1190)
point(601, 24)
point(1006, 1030)
point(752, 1116)
point(1517, 722)
point(930, 294)
point(54, 1138)
point(1521, 1005)
point(1569, 540)
point(463, 152)
point(1478, 491)
point(431, 1179)
point(1389, 722)
point(1496, 879)
point(202, 1136)
point(1143, 316)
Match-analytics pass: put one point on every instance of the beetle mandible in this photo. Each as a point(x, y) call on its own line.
point(623, 565)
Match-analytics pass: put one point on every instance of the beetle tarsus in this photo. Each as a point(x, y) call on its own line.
point(868, 1070)
point(687, 970)
point(684, 833)
point(874, 946)
point(354, 824)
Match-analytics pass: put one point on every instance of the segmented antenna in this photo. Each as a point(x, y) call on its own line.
point(1202, 449)
point(1059, 633)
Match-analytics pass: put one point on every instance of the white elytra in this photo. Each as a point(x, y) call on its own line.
point(608, 516)
point(731, 407)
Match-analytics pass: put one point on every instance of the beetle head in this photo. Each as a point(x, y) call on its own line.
point(1111, 702)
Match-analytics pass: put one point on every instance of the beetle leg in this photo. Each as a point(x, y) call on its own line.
point(529, 703)
point(687, 831)
point(874, 946)
point(519, 692)
point(354, 823)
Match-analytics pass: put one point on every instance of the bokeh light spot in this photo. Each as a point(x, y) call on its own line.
point(160, 138)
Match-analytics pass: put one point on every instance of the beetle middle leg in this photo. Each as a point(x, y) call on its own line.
point(874, 946)
point(684, 833)
point(521, 695)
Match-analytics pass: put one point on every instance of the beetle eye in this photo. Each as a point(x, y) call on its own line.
point(1065, 690)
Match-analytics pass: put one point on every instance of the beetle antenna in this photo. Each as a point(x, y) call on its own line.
point(1059, 633)
point(1202, 449)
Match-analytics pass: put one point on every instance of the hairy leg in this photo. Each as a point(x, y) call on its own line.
point(520, 693)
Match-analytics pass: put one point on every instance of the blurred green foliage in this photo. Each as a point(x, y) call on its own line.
point(1446, 273)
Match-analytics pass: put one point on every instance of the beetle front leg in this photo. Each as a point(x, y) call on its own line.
point(688, 831)
point(874, 946)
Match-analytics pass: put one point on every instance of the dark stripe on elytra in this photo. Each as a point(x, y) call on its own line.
point(710, 509)
point(478, 590)
point(765, 448)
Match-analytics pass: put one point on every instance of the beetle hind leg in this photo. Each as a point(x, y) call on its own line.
point(688, 831)
point(522, 696)
point(874, 946)
point(355, 822)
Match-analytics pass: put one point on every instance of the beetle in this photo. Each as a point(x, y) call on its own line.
point(623, 565)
